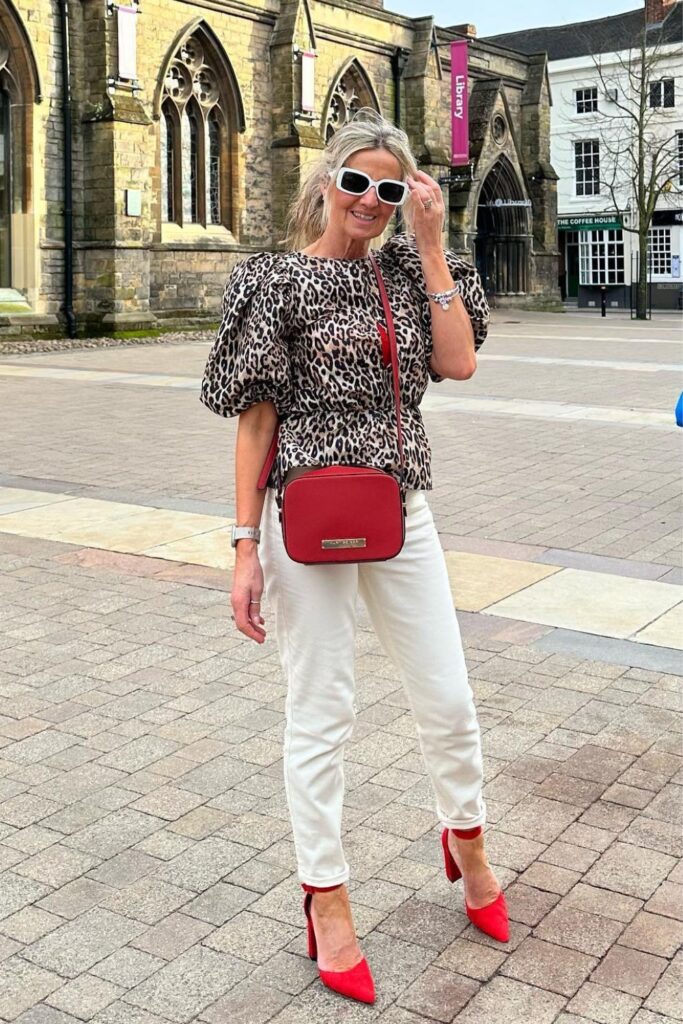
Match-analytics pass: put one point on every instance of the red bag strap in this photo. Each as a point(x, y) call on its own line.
point(270, 459)
point(393, 351)
point(394, 355)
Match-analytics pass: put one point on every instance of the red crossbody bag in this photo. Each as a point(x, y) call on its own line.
point(345, 513)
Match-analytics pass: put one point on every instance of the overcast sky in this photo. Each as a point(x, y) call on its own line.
point(494, 16)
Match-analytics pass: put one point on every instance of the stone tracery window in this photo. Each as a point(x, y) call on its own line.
point(350, 92)
point(195, 156)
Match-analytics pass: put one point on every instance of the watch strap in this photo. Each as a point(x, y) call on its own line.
point(245, 533)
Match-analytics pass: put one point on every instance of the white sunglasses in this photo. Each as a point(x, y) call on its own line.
point(357, 183)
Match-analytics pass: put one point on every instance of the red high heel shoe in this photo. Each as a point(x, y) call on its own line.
point(357, 982)
point(491, 919)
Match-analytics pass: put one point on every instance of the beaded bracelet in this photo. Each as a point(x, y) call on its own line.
point(445, 298)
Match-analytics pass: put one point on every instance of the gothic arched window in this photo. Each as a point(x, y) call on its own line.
point(195, 142)
point(350, 92)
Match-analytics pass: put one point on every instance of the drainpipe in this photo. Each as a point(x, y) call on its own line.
point(399, 59)
point(68, 176)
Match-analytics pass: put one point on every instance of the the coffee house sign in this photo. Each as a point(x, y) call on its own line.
point(590, 222)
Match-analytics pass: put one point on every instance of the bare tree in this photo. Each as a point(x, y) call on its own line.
point(637, 138)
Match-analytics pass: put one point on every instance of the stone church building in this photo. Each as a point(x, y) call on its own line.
point(146, 148)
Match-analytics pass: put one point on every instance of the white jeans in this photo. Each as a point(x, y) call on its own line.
point(409, 603)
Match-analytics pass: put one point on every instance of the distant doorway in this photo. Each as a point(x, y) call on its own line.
point(503, 237)
point(571, 263)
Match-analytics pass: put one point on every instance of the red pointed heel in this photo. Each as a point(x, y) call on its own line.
point(356, 983)
point(492, 919)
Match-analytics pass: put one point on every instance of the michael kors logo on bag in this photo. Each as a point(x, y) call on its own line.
point(344, 542)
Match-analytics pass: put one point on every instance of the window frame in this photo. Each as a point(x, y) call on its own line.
point(580, 99)
point(169, 112)
point(215, 116)
point(662, 94)
point(586, 174)
point(659, 255)
point(601, 257)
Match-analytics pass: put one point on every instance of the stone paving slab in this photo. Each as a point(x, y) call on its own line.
point(593, 602)
point(666, 631)
point(480, 580)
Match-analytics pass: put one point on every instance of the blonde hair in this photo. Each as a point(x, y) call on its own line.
point(308, 212)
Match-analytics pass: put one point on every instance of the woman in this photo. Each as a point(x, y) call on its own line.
point(299, 343)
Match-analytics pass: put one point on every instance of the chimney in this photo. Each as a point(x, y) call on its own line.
point(657, 10)
point(464, 30)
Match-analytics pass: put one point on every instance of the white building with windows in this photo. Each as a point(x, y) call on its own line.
point(594, 70)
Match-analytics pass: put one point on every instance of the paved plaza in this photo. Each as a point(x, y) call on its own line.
point(147, 872)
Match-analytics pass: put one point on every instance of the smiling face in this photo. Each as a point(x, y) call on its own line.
point(360, 218)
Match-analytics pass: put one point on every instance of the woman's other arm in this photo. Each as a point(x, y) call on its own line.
point(254, 435)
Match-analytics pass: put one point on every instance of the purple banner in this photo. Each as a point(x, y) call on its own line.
point(460, 134)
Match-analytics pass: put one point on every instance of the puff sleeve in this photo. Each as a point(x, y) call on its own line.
point(249, 360)
point(403, 254)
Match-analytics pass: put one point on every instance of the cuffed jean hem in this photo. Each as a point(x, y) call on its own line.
point(324, 883)
point(461, 823)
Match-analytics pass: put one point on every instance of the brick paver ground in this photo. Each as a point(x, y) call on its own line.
point(147, 872)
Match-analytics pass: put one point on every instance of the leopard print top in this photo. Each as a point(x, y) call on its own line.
point(301, 331)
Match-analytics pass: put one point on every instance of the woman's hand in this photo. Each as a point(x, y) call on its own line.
point(428, 222)
point(247, 590)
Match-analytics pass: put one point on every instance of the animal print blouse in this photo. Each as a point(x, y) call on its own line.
point(301, 331)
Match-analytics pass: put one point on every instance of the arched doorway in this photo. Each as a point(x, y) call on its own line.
point(503, 237)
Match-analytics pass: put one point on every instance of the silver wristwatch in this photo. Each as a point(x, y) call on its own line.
point(244, 533)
